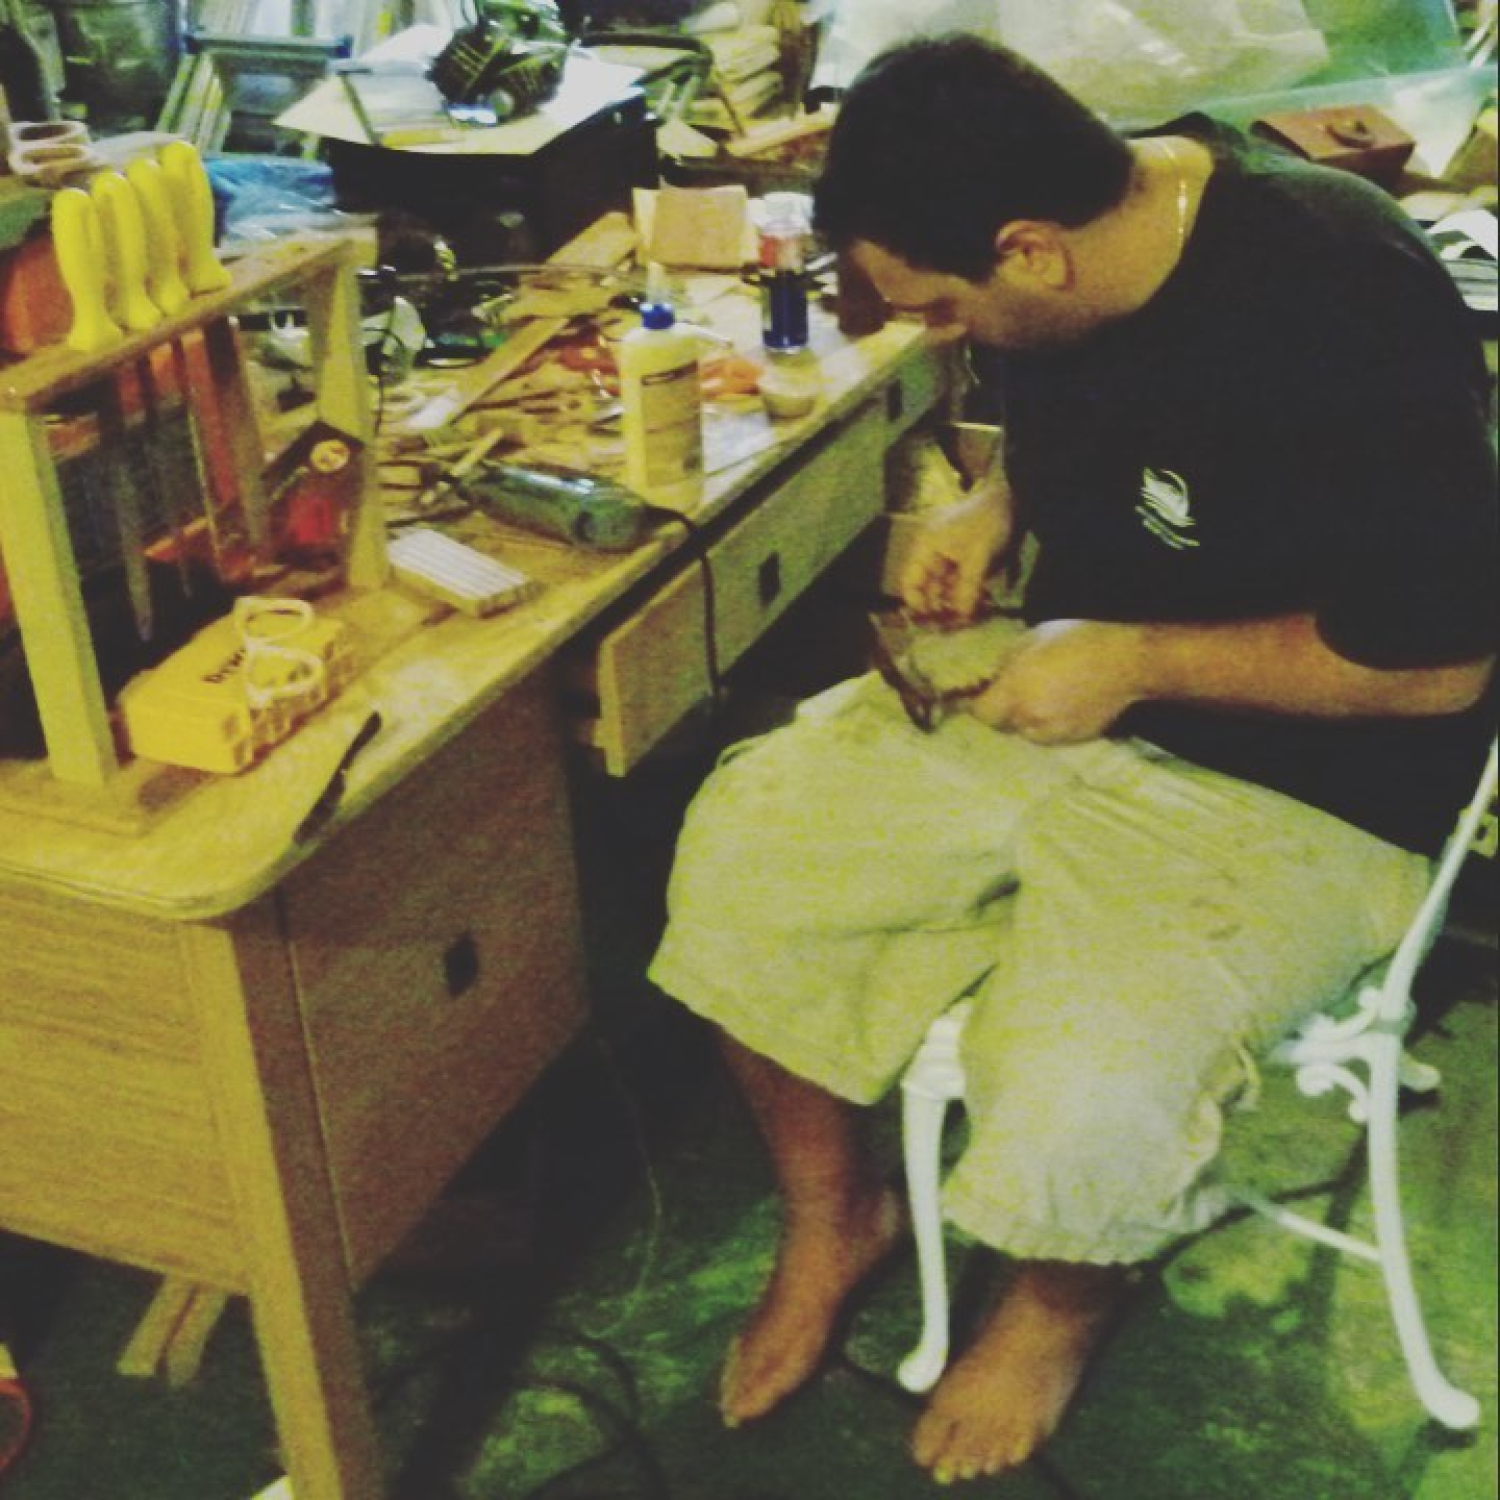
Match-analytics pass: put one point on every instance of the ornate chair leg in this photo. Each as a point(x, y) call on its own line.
point(923, 1114)
point(1443, 1400)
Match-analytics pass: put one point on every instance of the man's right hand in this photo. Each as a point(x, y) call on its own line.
point(953, 552)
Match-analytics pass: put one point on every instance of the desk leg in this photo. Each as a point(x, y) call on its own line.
point(300, 1295)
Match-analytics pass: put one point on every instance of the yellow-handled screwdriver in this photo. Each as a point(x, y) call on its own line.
point(124, 237)
point(163, 243)
point(192, 200)
point(123, 244)
point(78, 243)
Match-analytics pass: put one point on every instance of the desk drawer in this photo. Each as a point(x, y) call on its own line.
point(650, 671)
point(918, 386)
point(437, 956)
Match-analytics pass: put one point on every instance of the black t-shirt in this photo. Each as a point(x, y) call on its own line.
point(1297, 422)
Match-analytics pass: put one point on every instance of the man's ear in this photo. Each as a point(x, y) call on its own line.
point(1034, 251)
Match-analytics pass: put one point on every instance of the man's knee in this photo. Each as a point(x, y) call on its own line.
point(1143, 1116)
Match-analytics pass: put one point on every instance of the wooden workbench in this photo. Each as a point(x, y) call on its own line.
point(253, 1064)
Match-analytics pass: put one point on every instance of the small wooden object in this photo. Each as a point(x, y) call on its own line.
point(173, 1333)
point(1355, 138)
point(701, 227)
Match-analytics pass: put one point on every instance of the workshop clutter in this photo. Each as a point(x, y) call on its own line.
point(108, 62)
point(559, 397)
point(508, 61)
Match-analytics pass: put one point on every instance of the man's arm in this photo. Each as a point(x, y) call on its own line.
point(1069, 680)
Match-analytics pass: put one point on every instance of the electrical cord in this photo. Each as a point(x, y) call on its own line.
point(627, 1439)
point(698, 547)
point(618, 1414)
point(597, 1336)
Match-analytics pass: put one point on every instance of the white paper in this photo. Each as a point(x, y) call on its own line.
point(398, 73)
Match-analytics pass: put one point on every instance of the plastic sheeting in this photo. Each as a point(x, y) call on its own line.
point(1137, 63)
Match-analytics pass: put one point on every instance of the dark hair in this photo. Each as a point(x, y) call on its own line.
point(941, 141)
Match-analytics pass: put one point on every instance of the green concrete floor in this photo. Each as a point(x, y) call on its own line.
point(554, 1334)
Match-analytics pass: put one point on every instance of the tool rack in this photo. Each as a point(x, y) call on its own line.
point(38, 552)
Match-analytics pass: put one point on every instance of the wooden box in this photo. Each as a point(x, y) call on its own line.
point(1355, 138)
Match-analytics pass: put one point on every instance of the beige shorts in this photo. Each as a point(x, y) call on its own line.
point(1135, 928)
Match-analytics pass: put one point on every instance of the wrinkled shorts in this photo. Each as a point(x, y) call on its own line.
point(1135, 930)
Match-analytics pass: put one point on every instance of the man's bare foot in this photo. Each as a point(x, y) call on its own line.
point(1006, 1396)
point(821, 1259)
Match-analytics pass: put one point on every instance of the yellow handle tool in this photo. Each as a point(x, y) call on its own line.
point(124, 253)
point(78, 242)
point(163, 243)
point(192, 202)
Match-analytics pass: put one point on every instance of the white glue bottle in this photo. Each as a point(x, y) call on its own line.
point(661, 401)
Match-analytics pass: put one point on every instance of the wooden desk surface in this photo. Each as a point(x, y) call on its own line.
point(220, 842)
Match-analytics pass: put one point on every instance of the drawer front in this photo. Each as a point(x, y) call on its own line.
point(653, 669)
point(437, 957)
point(107, 1136)
point(917, 388)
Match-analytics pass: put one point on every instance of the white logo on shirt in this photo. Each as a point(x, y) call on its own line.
point(1166, 508)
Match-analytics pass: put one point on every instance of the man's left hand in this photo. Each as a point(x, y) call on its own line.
point(1063, 682)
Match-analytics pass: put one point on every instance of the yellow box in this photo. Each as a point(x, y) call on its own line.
point(194, 709)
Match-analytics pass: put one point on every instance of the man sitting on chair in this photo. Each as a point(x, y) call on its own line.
point(1245, 420)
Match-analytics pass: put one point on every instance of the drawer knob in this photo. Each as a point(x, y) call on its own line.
point(461, 964)
point(768, 578)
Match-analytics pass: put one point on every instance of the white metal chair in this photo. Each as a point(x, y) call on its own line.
point(1323, 1054)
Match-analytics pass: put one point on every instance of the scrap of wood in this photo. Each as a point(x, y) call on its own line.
point(184, 1352)
point(471, 385)
point(173, 1333)
point(142, 1355)
point(707, 227)
point(775, 133)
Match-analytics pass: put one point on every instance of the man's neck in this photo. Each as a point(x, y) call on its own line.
point(1124, 258)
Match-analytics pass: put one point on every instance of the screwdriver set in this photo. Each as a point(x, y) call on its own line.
point(147, 393)
point(136, 246)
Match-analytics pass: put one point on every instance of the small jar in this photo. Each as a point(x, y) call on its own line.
point(783, 275)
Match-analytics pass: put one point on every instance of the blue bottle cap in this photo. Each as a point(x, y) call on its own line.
point(657, 315)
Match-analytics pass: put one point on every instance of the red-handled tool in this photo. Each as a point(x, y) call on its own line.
point(13, 1396)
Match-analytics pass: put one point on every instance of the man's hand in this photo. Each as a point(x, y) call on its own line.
point(1065, 681)
point(952, 554)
